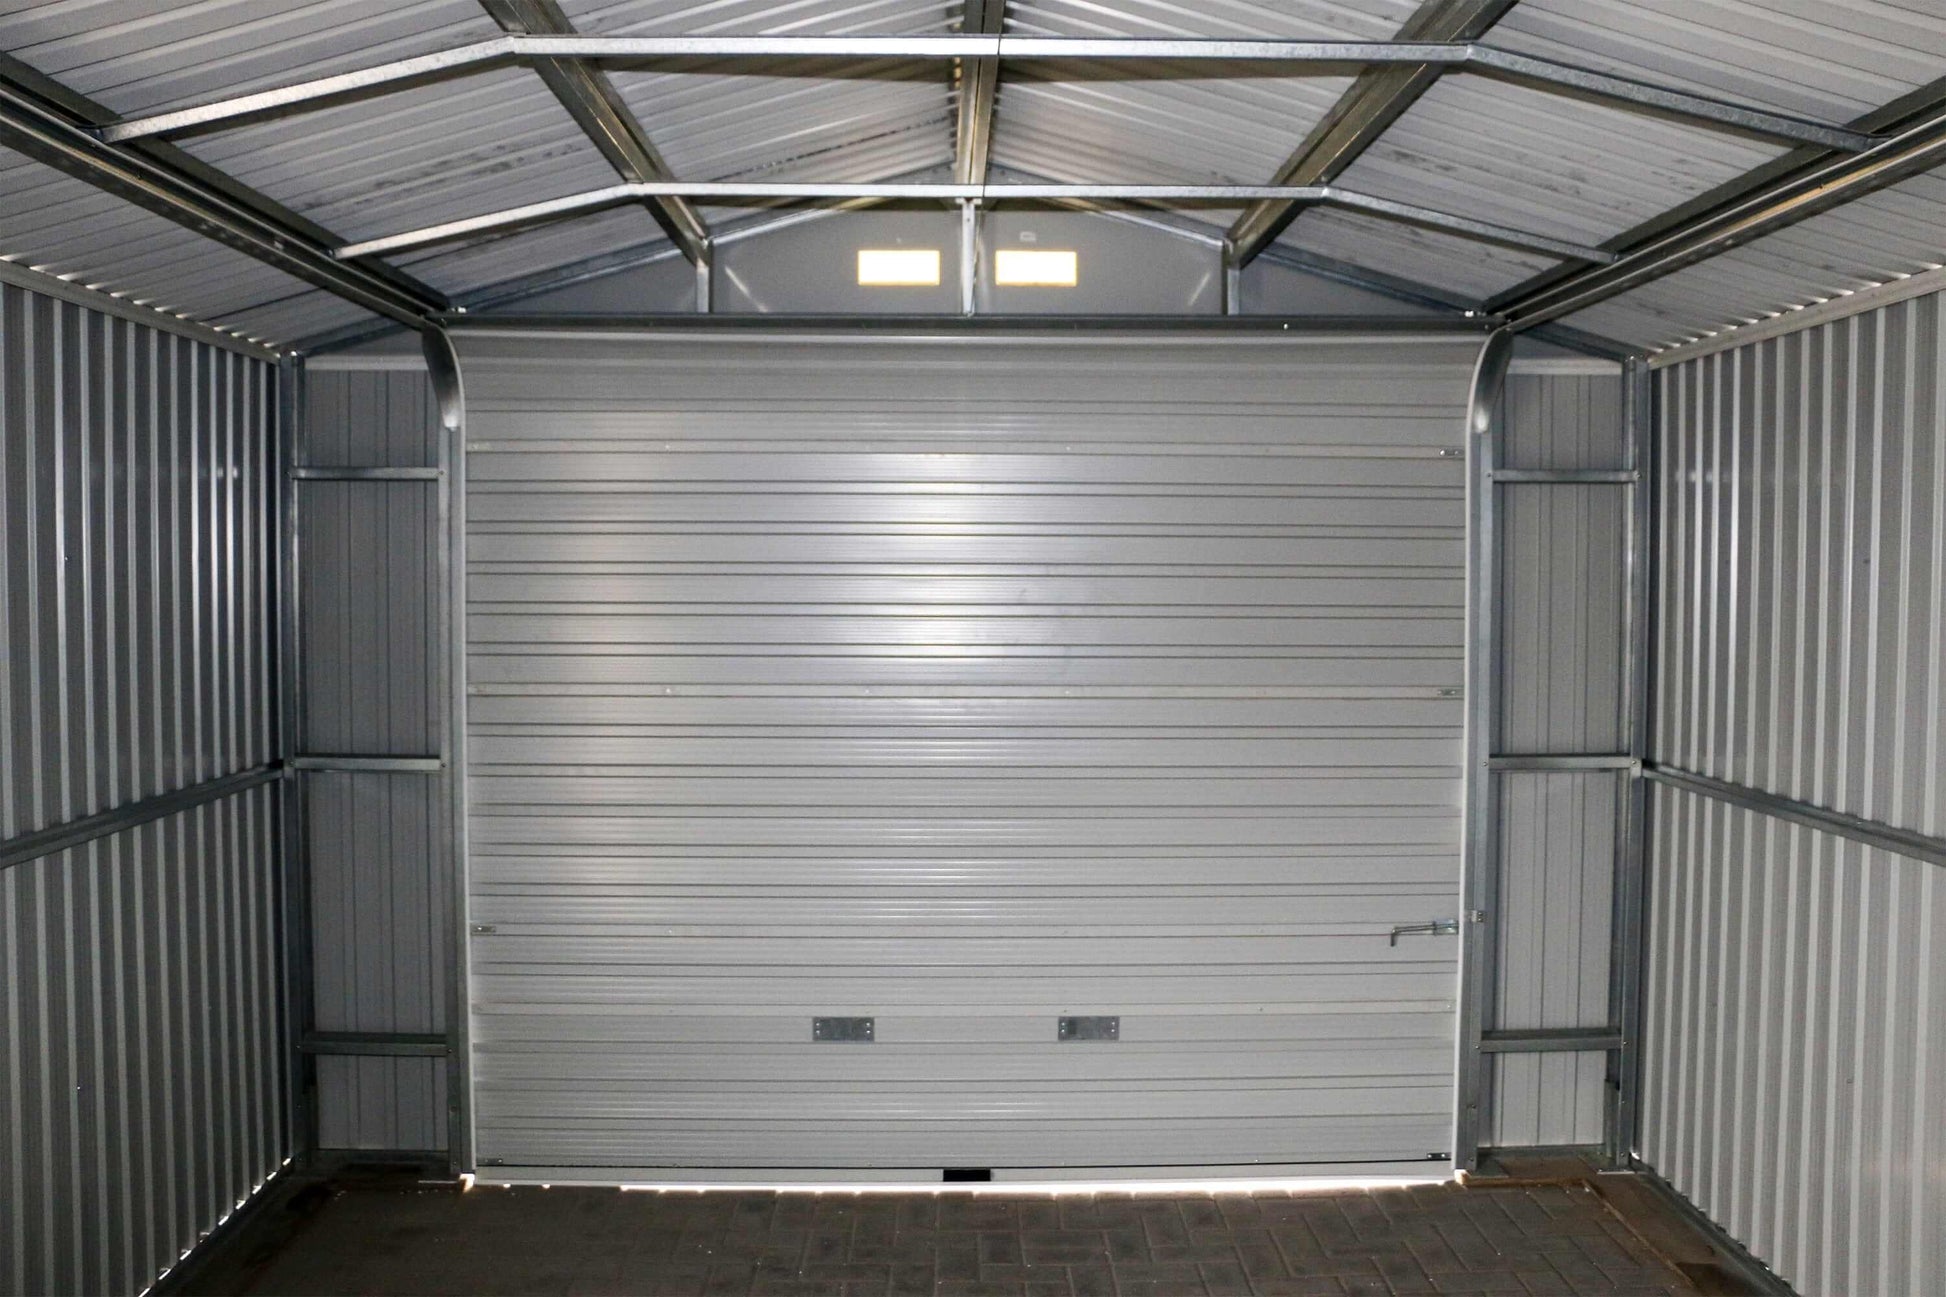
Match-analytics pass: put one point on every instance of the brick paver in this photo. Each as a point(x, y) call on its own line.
point(1515, 1239)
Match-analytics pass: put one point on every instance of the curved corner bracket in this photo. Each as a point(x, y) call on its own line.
point(1489, 380)
point(443, 364)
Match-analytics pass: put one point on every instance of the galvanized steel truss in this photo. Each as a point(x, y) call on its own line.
point(1835, 162)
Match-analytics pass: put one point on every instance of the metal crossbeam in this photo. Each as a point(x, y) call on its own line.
point(1379, 97)
point(1550, 1040)
point(1245, 57)
point(598, 108)
point(1326, 195)
point(48, 130)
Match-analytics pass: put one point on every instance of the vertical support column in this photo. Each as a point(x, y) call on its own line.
point(1628, 955)
point(1480, 872)
point(969, 256)
point(705, 280)
point(295, 878)
point(1232, 280)
point(450, 684)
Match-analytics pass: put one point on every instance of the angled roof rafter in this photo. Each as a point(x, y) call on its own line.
point(979, 85)
point(1376, 99)
point(585, 92)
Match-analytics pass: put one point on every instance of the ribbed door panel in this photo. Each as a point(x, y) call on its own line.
point(961, 686)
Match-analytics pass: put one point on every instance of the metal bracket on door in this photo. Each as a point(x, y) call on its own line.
point(854, 1031)
point(1089, 1027)
point(1437, 928)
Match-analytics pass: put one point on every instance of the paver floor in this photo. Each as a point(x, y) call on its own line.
point(1560, 1238)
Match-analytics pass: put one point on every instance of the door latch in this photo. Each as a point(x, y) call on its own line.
point(1437, 928)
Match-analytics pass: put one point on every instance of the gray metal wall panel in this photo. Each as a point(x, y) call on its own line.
point(1563, 420)
point(1562, 601)
point(1794, 1051)
point(381, 418)
point(381, 875)
point(387, 1104)
point(1795, 1046)
point(1803, 499)
point(1563, 593)
point(961, 685)
point(141, 1043)
point(134, 583)
point(381, 902)
point(141, 1046)
point(370, 624)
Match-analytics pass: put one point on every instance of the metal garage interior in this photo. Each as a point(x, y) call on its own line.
point(1046, 608)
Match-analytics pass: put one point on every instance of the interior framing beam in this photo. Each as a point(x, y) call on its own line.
point(1325, 195)
point(1232, 57)
point(589, 97)
point(1378, 98)
point(979, 87)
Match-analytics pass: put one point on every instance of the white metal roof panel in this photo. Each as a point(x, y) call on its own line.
point(1834, 59)
point(1078, 124)
point(872, 121)
point(53, 222)
point(1444, 261)
point(139, 55)
point(459, 269)
point(1889, 235)
point(1544, 162)
point(429, 154)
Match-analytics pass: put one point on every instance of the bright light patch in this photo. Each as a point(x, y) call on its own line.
point(898, 267)
point(1059, 1188)
point(1036, 268)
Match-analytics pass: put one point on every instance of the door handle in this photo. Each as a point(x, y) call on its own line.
point(1437, 928)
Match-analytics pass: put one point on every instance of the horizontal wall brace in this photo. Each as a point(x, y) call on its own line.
point(1566, 476)
point(1871, 833)
point(366, 474)
point(370, 765)
point(74, 833)
point(1548, 761)
point(359, 1044)
point(1551, 1040)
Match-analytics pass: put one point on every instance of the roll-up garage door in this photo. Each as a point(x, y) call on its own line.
point(887, 756)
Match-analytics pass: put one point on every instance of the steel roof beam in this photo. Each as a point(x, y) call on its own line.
point(1246, 57)
point(979, 87)
point(33, 126)
point(1379, 97)
point(1771, 207)
point(1326, 195)
point(592, 100)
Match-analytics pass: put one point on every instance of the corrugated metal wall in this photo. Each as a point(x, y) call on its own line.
point(963, 686)
point(380, 865)
point(141, 1047)
point(1562, 606)
point(1796, 1061)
